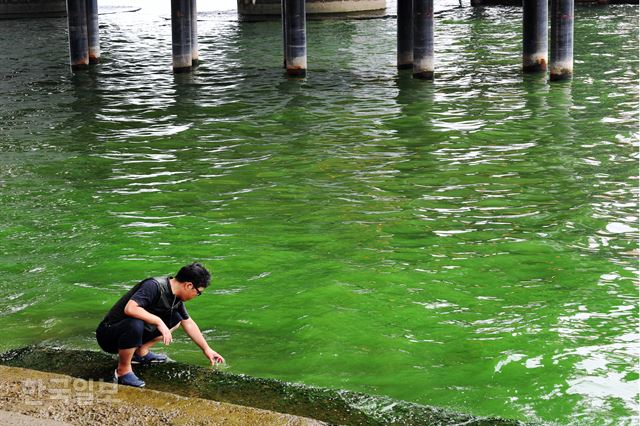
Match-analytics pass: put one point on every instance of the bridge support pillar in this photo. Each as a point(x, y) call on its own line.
point(405, 34)
point(295, 38)
point(561, 67)
point(181, 35)
point(195, 54)
point(93, 32)
point(535, 15)
point(423, 39)
point(78, 39)
point(283, 12)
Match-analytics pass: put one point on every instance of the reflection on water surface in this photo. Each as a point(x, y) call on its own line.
point(469, 243)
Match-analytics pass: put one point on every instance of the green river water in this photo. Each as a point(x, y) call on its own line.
point(469, 243)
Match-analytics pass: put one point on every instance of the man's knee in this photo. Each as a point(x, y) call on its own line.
point(136, 326)
point(131, 336)
point(175, 327)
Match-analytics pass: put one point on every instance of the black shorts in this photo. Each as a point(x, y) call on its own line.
point(129, 333)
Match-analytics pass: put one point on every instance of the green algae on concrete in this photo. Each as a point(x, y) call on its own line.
point(334, 406)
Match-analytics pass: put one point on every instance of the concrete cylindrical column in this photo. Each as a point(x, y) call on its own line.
point(295, 38)
point(423, 39)
point(181, 35)
point(93, 32)
point(283, 4)
point(195, 53)
point(78, 41)
point(405, 34)
point(535, 15)
point(561, 67)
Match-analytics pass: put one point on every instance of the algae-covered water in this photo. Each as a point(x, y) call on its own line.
point(469, 243)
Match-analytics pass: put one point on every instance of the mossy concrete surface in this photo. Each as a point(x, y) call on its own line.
point(333, 406)
point(35, 398)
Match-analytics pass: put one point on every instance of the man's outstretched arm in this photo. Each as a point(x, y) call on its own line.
point(193, 331)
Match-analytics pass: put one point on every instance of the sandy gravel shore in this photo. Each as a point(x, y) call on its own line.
point(32, 397)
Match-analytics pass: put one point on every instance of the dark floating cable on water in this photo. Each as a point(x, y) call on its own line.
point(121, 11)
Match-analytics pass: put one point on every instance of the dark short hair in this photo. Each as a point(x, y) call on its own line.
point(194, 273)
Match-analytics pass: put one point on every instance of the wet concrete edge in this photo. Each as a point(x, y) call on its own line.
point(36, 398)
point(333, 406)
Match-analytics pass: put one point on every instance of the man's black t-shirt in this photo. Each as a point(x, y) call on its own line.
point(146, 294)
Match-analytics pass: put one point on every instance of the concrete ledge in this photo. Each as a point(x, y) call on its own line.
point(333, 406)
point(17, 9)
point(250, 10)
point(35, 398)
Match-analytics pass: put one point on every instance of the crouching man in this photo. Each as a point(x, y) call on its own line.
point(147, 314)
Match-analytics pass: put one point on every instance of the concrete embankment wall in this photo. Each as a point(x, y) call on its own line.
point(14, 9)
point(332, 406)
point(35, 398)
point(258, 8)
